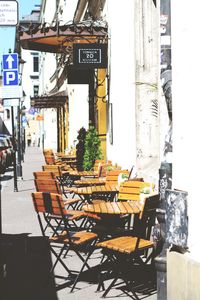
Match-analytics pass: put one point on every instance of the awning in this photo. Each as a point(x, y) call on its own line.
point(57, 38)
point(49, 101)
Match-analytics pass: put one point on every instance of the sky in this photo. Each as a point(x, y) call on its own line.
point(7, 34)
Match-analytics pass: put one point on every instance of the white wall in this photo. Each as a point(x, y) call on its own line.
point(78, 109)
point(122, 75)
point(27, 82)
point(186, 108)
point(50, 128)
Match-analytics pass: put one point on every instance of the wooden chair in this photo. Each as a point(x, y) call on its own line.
point(51, 160)
point(111, 179)
point(60, 174)
point(53, 186)
point(130, 250)
point(78, 242)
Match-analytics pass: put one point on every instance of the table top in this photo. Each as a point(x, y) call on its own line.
point(62, 154)
point(89, 190)
point(115, 208)
point(83, 173)
point(89, 182)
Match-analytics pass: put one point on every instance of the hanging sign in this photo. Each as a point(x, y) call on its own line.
point(90, 56)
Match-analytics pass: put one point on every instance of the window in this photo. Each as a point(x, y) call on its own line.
point(35, 90)
point(35, 56)
point(7, 114)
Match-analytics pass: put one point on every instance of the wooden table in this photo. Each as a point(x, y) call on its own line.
point(74, 173)
point(68, 159)
point(114, 208)
point(89, 182)
point(90, 192)
point(114, 217)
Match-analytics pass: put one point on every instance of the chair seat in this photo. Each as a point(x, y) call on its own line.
point(77, 238)
point(126, 244)
point(69, 214)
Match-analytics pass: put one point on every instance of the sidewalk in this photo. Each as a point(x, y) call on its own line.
point(18, 216)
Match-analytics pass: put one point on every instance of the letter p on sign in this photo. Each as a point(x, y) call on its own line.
point(10, 77)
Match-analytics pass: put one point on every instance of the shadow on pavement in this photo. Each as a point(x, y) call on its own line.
point(25, 268)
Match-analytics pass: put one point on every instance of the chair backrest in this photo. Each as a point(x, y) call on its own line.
point(113, 175)
point(131, 189)
point(144, 224)
point(52, 168)
point(44, 175)
point(48, 152)
point(48, 185)
point(49, 159)
point(48, 203)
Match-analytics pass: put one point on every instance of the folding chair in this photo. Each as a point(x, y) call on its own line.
point(60, 172)
point(124, 253)
point(78, 242)
point(53, 186)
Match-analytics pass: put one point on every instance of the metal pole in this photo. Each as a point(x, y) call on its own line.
point(14, 159)
point(19, 158)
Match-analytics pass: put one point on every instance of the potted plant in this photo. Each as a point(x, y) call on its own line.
point(80, 148)
point(92, 148)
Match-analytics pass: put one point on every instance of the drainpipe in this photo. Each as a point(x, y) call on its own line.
point(58, 129)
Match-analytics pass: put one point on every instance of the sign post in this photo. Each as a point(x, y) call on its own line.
point(11, 90)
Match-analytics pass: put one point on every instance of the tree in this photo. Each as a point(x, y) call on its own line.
point(92, 148)
point(80, 148)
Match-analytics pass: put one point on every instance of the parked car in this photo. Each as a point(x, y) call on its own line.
point(8, 148)
point(3, 156)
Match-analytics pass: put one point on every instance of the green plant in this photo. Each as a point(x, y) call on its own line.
point(92, 148)
point(80, 148)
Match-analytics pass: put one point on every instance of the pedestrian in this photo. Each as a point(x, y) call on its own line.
point(33, 139)
point(29, 139)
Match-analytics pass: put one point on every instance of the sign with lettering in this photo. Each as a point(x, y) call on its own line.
point(8, 13)
point(90, 56)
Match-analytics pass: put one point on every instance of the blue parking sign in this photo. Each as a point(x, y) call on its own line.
point(10, 77)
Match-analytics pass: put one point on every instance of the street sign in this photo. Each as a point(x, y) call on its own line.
point(11, 92)
point(8, 13)
point(10, 102)
point(10, 69)
point(10, 61)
